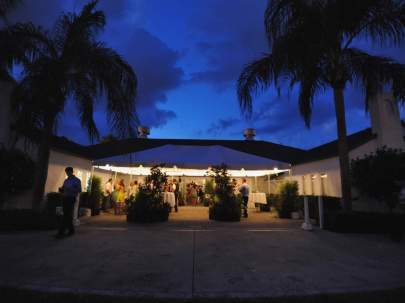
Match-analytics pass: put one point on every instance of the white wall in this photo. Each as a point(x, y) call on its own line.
point(386, 122)
point(331, 183)
point(58, 161)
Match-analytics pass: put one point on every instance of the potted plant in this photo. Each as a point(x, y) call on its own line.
point(225, 206)
point(287, 202)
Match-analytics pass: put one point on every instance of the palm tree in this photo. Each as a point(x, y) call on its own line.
point(6, 6)
point(312, 45)
point(67, 63)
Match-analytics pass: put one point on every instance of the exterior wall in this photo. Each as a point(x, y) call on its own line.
point(386, 122)
point(308, 175)
point(58, 161)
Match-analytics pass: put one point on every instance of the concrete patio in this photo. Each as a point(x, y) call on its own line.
point(191, 257)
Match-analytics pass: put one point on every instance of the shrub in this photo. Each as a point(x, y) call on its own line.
point(17, 172)
point(53, 200)
point(27, 219)
point(287, 200)
point(148, 204)
point(226, 206)
point(366, 222)
point(378, 175)
point(92, 199)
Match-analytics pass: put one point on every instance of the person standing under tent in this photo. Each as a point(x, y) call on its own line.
point(108, 189)
point(176, 190)
point(70, 189)
point(119, 205)
point(244, 191)
point(133, 189)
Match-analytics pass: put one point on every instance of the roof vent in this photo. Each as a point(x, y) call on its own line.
point(143, 132)
point(249, 133)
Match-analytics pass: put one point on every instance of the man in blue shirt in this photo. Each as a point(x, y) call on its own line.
point(244, 191)
point(70, 189)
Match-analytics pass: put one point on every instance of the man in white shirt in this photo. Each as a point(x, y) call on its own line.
point(176, 190)
point(72, 186)
point(244, 191)
point(108, 188)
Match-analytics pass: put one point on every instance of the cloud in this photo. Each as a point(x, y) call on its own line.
point(222, 125)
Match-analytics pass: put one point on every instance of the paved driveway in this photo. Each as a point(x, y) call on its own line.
point(192, 257)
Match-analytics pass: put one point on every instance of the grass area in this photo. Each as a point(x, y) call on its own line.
point(30, 296)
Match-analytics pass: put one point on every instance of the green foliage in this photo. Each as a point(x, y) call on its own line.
point(92, 198)
point(378, 174)
point(287, 200)
point(148, 204)
point(226, 206)
point(17, 173)
point(209, 186)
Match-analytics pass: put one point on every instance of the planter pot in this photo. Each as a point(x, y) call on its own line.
point(84, 212)
point(295, 215)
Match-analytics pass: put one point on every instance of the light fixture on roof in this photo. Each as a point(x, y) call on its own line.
point(249, 133)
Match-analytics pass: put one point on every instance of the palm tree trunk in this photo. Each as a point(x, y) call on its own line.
point(42, 163)
point(343, 148)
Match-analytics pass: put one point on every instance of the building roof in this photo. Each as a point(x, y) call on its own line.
point(330, 149)
point(63, 144)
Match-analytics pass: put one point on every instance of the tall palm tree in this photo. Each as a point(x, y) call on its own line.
point(6, 6)
point(67, 63)
point(312, 45)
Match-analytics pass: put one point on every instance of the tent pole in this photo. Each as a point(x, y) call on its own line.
point(115, 178)
point(255, 183)
point(268, 184)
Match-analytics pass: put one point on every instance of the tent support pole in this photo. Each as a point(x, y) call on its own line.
point(268, 184)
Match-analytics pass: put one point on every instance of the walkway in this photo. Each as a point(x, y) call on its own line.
point(259, 257)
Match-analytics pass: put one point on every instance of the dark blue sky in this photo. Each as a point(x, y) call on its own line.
point(187, 55)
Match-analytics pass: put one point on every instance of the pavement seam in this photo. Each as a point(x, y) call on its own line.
point(193, 267)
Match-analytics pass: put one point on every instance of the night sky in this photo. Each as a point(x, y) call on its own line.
point(187, 55)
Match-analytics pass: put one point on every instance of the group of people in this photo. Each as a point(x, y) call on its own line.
point(116, 194)
point(194, 193)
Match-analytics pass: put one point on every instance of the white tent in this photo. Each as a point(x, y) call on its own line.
point(193, 157)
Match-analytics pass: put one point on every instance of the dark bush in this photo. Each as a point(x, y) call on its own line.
point(17, 172)
point(145, 207)
point(226, 205)
point(92, 197)
point(148, 204)
point(287, 200)
point(362, 222)
point(27, 219)
point(378, 175)
point(53, 200)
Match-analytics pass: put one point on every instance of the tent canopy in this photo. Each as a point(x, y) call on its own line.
point(193, 157)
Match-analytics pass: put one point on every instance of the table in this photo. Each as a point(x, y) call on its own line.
point(169, 198)
point(254, 198)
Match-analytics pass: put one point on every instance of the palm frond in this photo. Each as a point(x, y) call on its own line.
point(117, 79)
point(256, 76)
point(71, 29)
point(374, 72)
point(382, 21)
point(7, 5)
